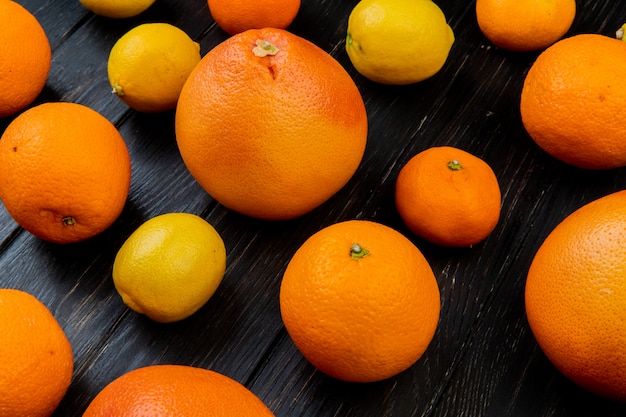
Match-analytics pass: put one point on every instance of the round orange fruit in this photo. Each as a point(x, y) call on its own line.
point(235, 16)
point(25, 58)
point(64, 172)
point(270, 125)
point(36, 361)
point(360, 301)
point(175, 390)
point(572, 101)
point(448, 196)
point(525, 25)
point(575, 294)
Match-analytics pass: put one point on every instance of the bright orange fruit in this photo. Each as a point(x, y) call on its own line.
point(572, 101)
point(270, 124)
point(36, 361)
point(64, 172)
point(575, 295)
point(235, 16)
point(360, 301)
point(25, 58)
point(175, 390)
point(525, 25)
point(448, 196)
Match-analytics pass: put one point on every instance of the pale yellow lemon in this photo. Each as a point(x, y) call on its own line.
point(398, 41)
point(149, 64)
point(170, 266)
point(117, 9)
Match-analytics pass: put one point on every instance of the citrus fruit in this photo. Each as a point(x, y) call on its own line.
point(448, 196)
point(575, 294)
point(64, 171)
point(170, 266)
point(524, 25)
point(25, 58)
point(36, 361)
point(175, 390)
point(235, 16)
point(270, 125)
point(572, 101)
point(149, 64)
point(398, 41)
point(117, 9)
point(360, 301)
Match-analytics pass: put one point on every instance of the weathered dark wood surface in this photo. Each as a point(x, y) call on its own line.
point(483, 360)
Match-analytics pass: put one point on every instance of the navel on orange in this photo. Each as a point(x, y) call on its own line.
point(270, 124)
point(575, 295)
point(175, 390)
point(64, 172)
point(448, 196)
point(360, 301)
point(25, 58)
point(572, 101)
point(36, 361)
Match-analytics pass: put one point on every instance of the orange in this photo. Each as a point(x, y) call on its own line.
point(270, 125)
point(25, 58)
point(575, 295)
point(175, 390)
point(36, 361)
point(525, 25)
point(64, 172)
point(572, 101)
point(360, 301)
point(448, 196)
point(235, 16)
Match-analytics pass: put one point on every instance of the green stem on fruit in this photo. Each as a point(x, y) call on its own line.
point(264, 48)
point(455, 165)
point(357, 251)
point(117, 90)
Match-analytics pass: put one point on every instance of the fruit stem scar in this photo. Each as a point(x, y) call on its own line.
point(357, 251)
point(117, 90)
point(455, 165)
point(69, 221)
point(264, 48)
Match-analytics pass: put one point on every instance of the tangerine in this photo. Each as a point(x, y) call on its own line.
point(64, 171)
point(572, 101)
point(36, 361)
point(575, 292)
point(25, 58)
point(360, 301)
point(235, 16)
point(270, 125)
point(524, 25)
point(448, 196)
point(175, 390)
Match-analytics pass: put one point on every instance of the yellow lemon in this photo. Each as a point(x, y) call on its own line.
point(149, 64)
point(170, 266)
point(117, 9)
point(398, 41)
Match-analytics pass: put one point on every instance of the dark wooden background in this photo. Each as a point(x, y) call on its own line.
point(483, 360)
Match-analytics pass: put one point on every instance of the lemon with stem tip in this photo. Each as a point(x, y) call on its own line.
point(398, 41)
point(149, 65)
point(170, 266)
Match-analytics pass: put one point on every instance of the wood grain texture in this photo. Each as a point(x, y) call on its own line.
point(483, 360)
